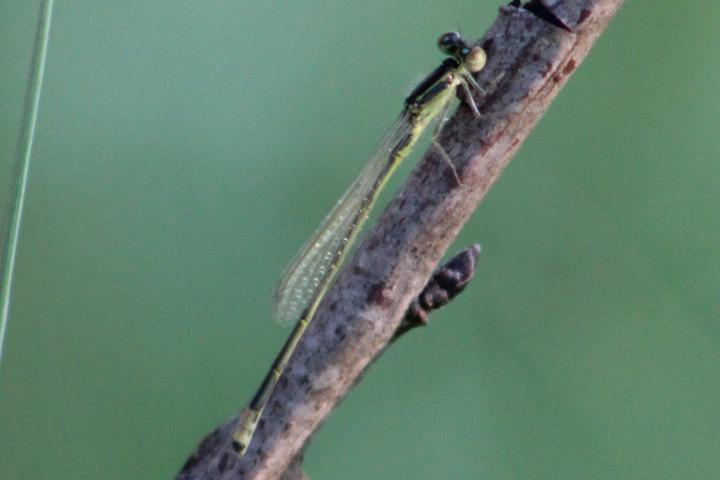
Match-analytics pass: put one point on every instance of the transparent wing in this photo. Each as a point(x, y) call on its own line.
point(307, 274)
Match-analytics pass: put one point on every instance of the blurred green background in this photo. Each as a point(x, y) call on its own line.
point(185, 150)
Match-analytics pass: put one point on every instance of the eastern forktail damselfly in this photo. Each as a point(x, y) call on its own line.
point(310, 274)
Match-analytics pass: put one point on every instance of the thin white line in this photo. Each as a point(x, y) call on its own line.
point(27, 134)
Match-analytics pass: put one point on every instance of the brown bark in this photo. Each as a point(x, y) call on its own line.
point(533, 50)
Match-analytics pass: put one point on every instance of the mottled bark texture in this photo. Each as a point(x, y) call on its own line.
point(533, 49)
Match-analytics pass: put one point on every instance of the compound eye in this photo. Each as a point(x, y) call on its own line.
point(449, 43)
point(475, 59)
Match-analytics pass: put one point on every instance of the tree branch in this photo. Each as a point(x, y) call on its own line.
point(445, 284)
point(533, 49)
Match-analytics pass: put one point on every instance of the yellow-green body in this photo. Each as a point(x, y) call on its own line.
point(310, 275)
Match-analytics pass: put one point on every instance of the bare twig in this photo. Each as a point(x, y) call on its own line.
point(533, 49)
point(444, 285)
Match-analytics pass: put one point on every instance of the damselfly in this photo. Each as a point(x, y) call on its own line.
point(310, 274)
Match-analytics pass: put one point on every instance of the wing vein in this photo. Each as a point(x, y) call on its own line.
point(314, 265)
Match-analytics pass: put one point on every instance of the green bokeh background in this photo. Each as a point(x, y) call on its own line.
point(185, 150)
